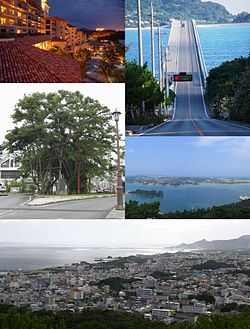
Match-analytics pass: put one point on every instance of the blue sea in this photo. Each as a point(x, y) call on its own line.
point(190, 196)
point(32, 258)
point(219, 43)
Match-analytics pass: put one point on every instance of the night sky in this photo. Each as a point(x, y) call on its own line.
point(90, 13)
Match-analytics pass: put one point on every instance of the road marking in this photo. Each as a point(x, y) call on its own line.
point(14, 210)
point(201, 86)
point(188, 40)
point(24, 203)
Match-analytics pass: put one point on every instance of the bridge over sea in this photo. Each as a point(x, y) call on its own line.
point(190, 115)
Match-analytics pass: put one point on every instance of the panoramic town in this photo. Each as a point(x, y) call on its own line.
point(38, 47)
point(171, 288)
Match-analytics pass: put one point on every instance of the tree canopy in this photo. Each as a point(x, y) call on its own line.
point(228, 90)
point(141, 86)
point(14, 318)
point(179, 9)
point(55, 133)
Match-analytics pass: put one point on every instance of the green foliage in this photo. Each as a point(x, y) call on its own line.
point(141, 86)
point(152, 210)
point(231, 211)
point(58, 131)
point(13, 318)
point(243, 17)
point(134, 210)
point(115, 283)
point(161, 275)
point(211, 265)
point(228, 90)
point(146, 120)
point(204, 297)
point(178, 9)
point(25, 187)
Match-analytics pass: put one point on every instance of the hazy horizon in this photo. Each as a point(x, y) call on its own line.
point(188, 156)
point(117, 234)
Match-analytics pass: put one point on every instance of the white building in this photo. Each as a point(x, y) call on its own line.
point(162, 313)
point(9, 167)
point(194, 309)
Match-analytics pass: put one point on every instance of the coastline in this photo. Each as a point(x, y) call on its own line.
point(146, 28)
point(199, 25)
point(223, 24)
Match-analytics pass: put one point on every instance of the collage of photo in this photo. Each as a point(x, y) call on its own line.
point(124, 164)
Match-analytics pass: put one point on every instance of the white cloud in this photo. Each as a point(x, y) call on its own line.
point(236, 146)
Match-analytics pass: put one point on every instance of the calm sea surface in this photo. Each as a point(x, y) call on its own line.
point(12, 258)
point(219, 44)
point(190, 196)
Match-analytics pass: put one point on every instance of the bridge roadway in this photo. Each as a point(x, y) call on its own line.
point(190, 116)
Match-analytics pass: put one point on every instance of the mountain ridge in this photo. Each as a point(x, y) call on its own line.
point(164, 10)
point(243, 242)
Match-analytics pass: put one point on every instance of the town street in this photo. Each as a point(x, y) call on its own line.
point(16, 206)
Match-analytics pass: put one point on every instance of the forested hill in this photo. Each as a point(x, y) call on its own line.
point(178, 9)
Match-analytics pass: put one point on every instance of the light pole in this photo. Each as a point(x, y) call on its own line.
point(119, 187)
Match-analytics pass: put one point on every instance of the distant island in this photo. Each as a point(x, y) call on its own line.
point(177, 181)
point(165, 10)
point(148, 194)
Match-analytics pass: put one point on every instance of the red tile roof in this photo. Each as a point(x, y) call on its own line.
point(24, 63)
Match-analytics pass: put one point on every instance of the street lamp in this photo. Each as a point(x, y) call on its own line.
point(119, 188)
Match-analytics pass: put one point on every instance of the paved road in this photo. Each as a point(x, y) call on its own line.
point(15, 207)
point(190, 115)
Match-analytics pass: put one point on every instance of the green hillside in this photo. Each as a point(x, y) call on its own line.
point(178, 9)
point(14, 318)
point(241, 209)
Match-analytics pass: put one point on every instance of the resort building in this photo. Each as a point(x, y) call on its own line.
point(23, 16)
point(62, 35)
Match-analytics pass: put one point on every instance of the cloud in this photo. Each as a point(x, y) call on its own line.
point(83, 13)
point(236, 146)
point(208, 141)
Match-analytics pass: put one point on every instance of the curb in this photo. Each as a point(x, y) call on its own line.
point(67, 200)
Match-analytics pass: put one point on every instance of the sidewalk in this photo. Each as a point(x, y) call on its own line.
point(116, 214)
point(41, 201)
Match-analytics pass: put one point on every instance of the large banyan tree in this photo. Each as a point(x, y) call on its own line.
point(62, 135)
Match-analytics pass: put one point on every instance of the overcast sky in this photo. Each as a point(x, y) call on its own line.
point(188, 156)
point(110, 95)
point(90, 13)
point(121, 233)
point(234, 6)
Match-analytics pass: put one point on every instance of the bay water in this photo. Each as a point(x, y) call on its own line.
point(219, 43)
point(179, 198)
point(32, 258)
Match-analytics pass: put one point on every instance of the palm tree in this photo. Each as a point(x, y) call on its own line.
point(84, 57)
point(104, 70)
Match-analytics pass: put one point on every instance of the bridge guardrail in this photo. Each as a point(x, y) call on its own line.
point(200, 54)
